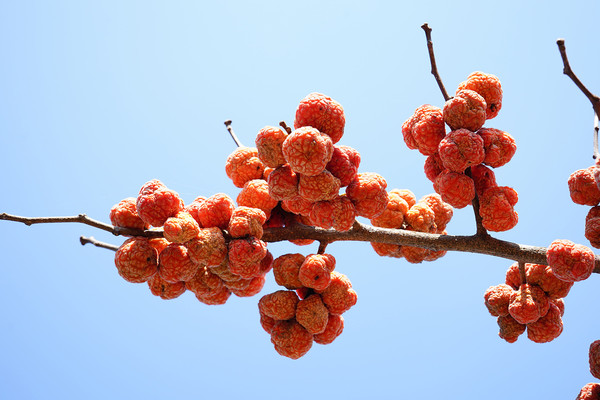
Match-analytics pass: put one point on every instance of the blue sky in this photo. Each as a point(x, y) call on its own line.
point(97, 98)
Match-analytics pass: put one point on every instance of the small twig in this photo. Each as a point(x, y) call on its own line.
point(285, 127)
point(522, 272)
point(233, 136)
point(322, 246)
point(596, 128)
point(481, 231)
point(434, 69)
point(85, 240)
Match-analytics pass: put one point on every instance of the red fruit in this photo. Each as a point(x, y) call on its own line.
point(268, 144)
point(165, 290)
point(307, 150)
point(338, 214)
point(547, 328)
point(124, 214)
point(255, 194)
point(180, 228)
point(315, 271)
point(583, 188)
point(279, 305)
point(414, 255)
point(286, 269)
point(175, 265)
point(219, 297)
point(591, 391)
point(510, 329)
point(136, 260)
point(456, 189)
point(407, 195)
point(542, 276)
point(483, 177)
point(267, 323)
point(594, 356)
point(334, 328)
point(323, 113)
point(339, 296)
point(155, 203)
point(312, 314)
point(499, 146)
point(323, 186)
point(246, 221)
point(569, 261)
point(592, 226)
point(245, 256)
point(205, 283)
point(253, 287)
point(387, 249)
point(443, 211)
point(420, 218)
point(243, 165)
point(193, 208)
point(467, 109)
point(488, 86)
point(291, 339)
point(433, 166)
point(528, 304)
point(344, 164)
point(460, 149)
point(393, 215)
point(368, 194)
point(208, 248)
point(424, 129)
point(497, 299)
point(496, 208)
point(215, 211)
point(283, 183)
point(297, 205)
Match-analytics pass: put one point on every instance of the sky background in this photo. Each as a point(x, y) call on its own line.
point(97, 98)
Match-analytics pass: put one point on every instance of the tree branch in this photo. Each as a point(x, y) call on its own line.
point(232, 133)
point(91, 240)
point(434, 69)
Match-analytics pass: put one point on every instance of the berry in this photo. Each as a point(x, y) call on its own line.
point(407, 195)
point(414, 255)
point(315, 271)
point(344, 164)
point(323, 113)
point(193, 208)
point(255, 193)
point(253, 287)
point(283, 183)
point(124, 214)
point(460, 149)
point(136, 260)
point(291, 339)
point(569, 261)
point(279, 305)
point(594, 356)
point(393, 215)
point(267, 322)
point(387, 249)
point(155, 203)
point(174, 264)
point(338, 214)
point(312, 314)
point(496, 208)
point(216, 298)
point(268, 144)
point(245, 256)
point(456, 189)
point(180, 228)
point(433, 166)
point(499, 146)
point(159, 244)
point(488, 86)
point(246, 221)
point(297, 205)
point(583, 188)
point(286, 269)
point(334, 328)
point(165, 290)
point(483, 178)
point(510, 329)
point(243, 165)
point(591, 391)
point(368, 194)
point(215, 211)
point(528, 304)
point(442, 210)
point(307, 150)
point(424, 129)
point(592, 226)
point(339, 296)
point(208, 248)
point(465, 110)
point(323, 186)
point(547, 328)
point(542, 276)
point(497, 299)
point(205, 283)
point(420, 218)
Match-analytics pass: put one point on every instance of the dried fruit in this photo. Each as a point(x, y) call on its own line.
point(467, 109)
point(338, 214)
point(542, 276)
point(443, 211)
point(180, 228)
point(268, 144)
point(497, 299)
point(215, 211)
point(312, 314)
point(165, 290)
point(421, 218)
point(136, 260)
point(583, 188)
point(496, 208)
point(460, 149)
point(334, 328)
point(245, 256)
point(592, 226)
point(424, 129)
point(456, 189)
point(344, 164)
point(255, 194)
point(323, 186)
point(279, 305)
point(433, 166)
point(291, 339)
point(283, 183)
point(155, 203)
point(591, 391)
point(339, 296)
point(368, 194)
point(510, 329)
point(243, 165)
point(594, 357)
point(124, 214)
point(208, 248)
point(175, 265)
point(528, 304)
point(547, 328)
point(499, 146)
point(569, 261)
point(488, 86)
point(247, 221)
point(323, 113)
point(393, 215)
point(315, 271)
point(483, 178)
point(307, 150)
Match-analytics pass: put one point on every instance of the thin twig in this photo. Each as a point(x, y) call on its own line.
point(232, 133)
point(596, 128)
point(481, 231)
point(91, 240)
point(522, 272)
point(434, 69)
point(285, 127)
point(322, 247)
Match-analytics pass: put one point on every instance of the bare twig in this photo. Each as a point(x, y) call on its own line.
point(481, 231)
point(434, 69)
point(91, 240)
point(522, 272)
point(285, 127)
point(232, 133)
point(322, 247)
point(596, 128)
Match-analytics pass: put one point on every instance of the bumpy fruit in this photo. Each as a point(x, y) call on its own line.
point(528, 304)
point(510, 329)
point(393, 215)
point(497, 299)
point(291, 339)
point(443, 211)
point(174, 264)
point(208, 248)
point(368, 194)
point(286, 269)
point(338, 214)
point(542, 276)
point(594, 358)
point(323, 186)
point(467, 109)
point(499, 146)
point(215, 211)
point(307, 150)
point(283, 183)
point(433, 167)
point(124, 214)
point(255, 194)
point(268, 144)
point(136, 260)
point(180, 228)
point(247, 221)
point(312, 314)
point(165, 290)
point(323, 113)
point(569, 261)
point(334, 328)
point(344, 164)
point(591, 391)
point(315, 271)
point(592, 226)
point(488, 86)
point(483, 178)
point(424, 129)
point(245, 256)
point(583, 188)
point(421, 218)
point(460, 149)
point(496, 208)
point(279, 305)
point(339, 296)
point(456, 189)
point(547, 328)
point(155, 203)
point(243, 165)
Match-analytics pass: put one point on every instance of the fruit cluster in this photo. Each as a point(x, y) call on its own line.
point(591, 391)
point(584, 189)
point(458, 162)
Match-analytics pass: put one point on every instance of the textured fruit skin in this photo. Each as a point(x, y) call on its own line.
point(180, 228)
point(339, 296)
point(368, 194)
point(497, 299)
point(254, 287)
point(124, 214)
point(315, 271)
point(255, 194)
point(510, 329)
point(323, 113)
point(291, 339)
point(245, 256)
point(268, 144)
point(591, 391)
point(344, 164)
point(283, 183)
point(312, 314)
point(155, 203)
point(421, 218)
point(414, 255)
point(323, 186)
point(547, 328)
point(592, 226)
point(216, 298)
point(542, 276)
point(215, 211)
point(496, 208)
point(483, 178)
point(243, 165)
point(194, 206)
point(528, 304)
point(583, 188)
point(267, 322)
point(208, 248)
point(569, 261)
point(334, 328)
point(393, 215)
point(500, 147)
point(424, 129)
point(136, 260)
point(467, 109)
point(442, 211)
point(407, 195)
point(338, 214)
point(165, 290)
point(175, 265)
point(279, 305)
point(297, 205)
point(307, 151)
point(246, 221)
point(489, 87)
point(433, 166)
point(387, 249)
point(456, 189)
point(460, 149)
point(594, 358)
point(286, 269)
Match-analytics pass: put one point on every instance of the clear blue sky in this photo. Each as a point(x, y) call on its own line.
point(96, 98)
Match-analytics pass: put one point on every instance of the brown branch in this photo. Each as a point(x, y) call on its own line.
point(434, 69)
point(91, 240)
point(522, 272)
point(232, 133)
point(285, 127)
point(596, 129)
point(481, 231)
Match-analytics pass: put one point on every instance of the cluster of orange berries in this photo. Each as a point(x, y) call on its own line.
point(458, 162)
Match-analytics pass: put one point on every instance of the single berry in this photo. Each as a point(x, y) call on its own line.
point(193, 208)
point(268, 144)
point(338, 214)
point(339, 296)
point(344, 164)
point(315, 271)
point(297, 205)
point(180, 228)
point(497, 299)
point(246, 221)
point(547, 328)
point(421, 218)
point(323, 186)
point(499, 146)
point(174, 264)
point(393, 215)
point(208, 248)
point(243, 165)
point(255, 194)
point(312, 314)
point(279, 305)
point(424, 129)
point(283, 183)
point(443, 211)
point(267, 322)
point(368, 194)
point(291, 339)
point(245, 256)
point(455, 188)
point(467, 109)
point(334, 328)
point(254, 286)
point(496, 208)
point(155, 203)
point(483, 178)
point(460, 149)
point(569, 261)
point(307, 150)
point(323, 113)
point(528, 304)
point(591, 391)
point(215, 211)
point(205, 283)
point(510, 329)
point(387, 249)
point(542, 276)
point(583, 188)
point(488, 86)
point(414, 255)
point(136, 260)
point(286, 269)
point(594, 357)
point(216, 298)
point(433, 166)
point(165, 290)
point(124, 214)
point(592, 226)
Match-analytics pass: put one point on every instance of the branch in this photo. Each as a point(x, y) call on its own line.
point(232, 133)
point(481, 231)
point(434, 69)
point(85, 240)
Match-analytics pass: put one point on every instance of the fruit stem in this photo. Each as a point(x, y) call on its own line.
point(434, 69)
point(596, 128)
point(233, 136)
point(285, 127)
point(522, 272)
